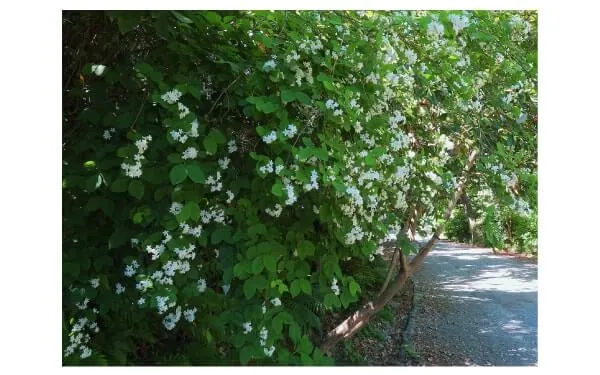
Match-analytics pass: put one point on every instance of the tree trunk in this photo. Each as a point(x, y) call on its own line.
point(361, 317)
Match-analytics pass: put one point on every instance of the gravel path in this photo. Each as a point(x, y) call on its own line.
point(475, 308)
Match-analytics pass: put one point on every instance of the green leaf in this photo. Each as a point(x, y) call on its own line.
point(196, 173)
point(305, 346)
point(257, 265)
point(305, 359)
point(193, 210)
point(136, 189)
point(71, 269)
point(119, 185)
point(295, 333)
point(302, 97)
point(181, 18)
point(287, 96)
point(212, 17)
point(354, 287)
point(305, 286)
point(249, 288)
point(178, 174)
point(220, 235)
point(217, 135)
point(305, 248)
point(270, 263)
point(246, 354)
point(277, 189)
point(295, 288)
point(210, 145)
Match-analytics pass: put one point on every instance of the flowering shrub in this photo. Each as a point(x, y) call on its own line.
point(220, 166)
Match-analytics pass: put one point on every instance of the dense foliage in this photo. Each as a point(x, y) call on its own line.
point(220, 169)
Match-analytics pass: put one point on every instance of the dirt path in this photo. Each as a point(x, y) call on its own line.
point(475, 308)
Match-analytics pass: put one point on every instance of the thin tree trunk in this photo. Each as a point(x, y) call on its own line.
point(359, 318)
point(390, 272)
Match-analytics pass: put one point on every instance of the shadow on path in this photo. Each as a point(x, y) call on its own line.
point(476, 308)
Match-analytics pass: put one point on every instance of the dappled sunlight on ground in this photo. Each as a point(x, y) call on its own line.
point(482, 303)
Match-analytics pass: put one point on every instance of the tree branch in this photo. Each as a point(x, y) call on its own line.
point(418, 260)
point(362, 316)
point(390, 272)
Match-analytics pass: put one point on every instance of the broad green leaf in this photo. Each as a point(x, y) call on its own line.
point(257, 265)
point(270, 263)
point(195, 172)
point(277, 189)
point(178, 174)
point(136, 189)
point(119, 185)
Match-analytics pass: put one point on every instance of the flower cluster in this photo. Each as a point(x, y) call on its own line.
point(172, 96)
point(270, 138)
point(314, 185)
point(290, 131)
point(276, 211)
point(334, 287)
point(135, 170)
point(189, 153)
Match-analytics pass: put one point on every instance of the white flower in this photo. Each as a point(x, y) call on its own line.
point(269, 352)
point(278, 168)
point(231, 147)
point(106, 135)
point(314, 185)
point(269, 138)
point(119, 288)
point(85, 351)
point(247, 327)
point(98, 70)
point(435, 29)
point(226, 288)
point(155, 251)
point(132, 170)
point(269, 65)
point(131, 269)
point(143, 285)
point(338, 112)
point(264, 308)
point(334, 287)
point(175, 208)
point(499, 58)
point(190, 153)
point(224, 163)
point(83, 304)
point(275, 212)
point(230, 196)
point(161, 304)
point(411, 56)
point(434, 177)
point(291, 195)
point(190, 314)
point(141, 301)
point(170, 321)
point(458, 22)
point(194, 131)
point(134, 242)
point(172, 96)
point(95, 283)
point(276, 301)
point(331, 104)
point(201, 285)
point(183, 110)
point(290, 131)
